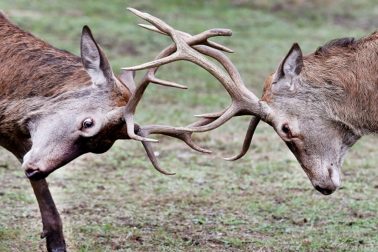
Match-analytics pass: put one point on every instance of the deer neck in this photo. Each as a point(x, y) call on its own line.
point(347, 80)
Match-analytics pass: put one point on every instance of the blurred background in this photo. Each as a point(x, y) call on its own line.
point(117, 202)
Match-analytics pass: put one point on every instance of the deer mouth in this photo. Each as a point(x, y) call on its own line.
point(328, 185)
point(325, 191)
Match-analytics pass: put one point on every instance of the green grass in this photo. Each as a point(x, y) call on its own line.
point(264, 202)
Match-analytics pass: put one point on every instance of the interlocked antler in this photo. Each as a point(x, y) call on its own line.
point(191, 48)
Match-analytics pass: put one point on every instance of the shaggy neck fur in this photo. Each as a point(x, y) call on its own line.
point(346, 72)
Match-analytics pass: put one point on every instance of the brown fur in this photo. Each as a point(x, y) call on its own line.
point(354, 68)
point(267, 91)
point(31, 67)
point(351, 65)
point(32, 71)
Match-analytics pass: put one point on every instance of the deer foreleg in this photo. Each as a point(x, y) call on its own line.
point(52, 224)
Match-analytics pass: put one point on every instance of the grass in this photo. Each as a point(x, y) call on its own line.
point(264, 202)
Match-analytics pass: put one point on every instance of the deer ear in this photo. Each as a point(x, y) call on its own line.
point(94, 60)
point(292, 64)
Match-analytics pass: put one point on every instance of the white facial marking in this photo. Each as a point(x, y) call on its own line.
point(336, 177)
point(97, 76)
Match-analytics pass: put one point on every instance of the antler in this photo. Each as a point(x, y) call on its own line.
point(191, 48)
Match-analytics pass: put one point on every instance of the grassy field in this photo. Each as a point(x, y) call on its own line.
point(264, 202)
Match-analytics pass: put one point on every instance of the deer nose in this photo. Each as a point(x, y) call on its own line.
point(326, 190)
point(34, 173)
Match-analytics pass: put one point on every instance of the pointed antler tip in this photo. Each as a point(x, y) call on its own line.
point(162, 171)
point(234, 158)
point(150, 140)
point(168, 84)
point(143, 139)
point(200, 115)
point(138, 13)
point(144, 26)
point(132, 68)
point(131, 9)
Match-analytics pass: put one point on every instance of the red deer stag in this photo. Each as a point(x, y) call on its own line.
point(55, 106)
point(319, 104)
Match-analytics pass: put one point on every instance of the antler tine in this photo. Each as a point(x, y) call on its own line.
point(151, 155)
point(208, 43)
point(185, 136)
point(152, 28)
point(167, 83)
point(150, 152)
point(179, 133)
point(151, 78)
point(129, 119)
point(247, 139)
point(211, 115)
point(217, 121)
point(158, 62)
point(158, 23)
point(218, 46)
point(203, 38)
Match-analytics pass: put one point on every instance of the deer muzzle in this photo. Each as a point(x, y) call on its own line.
point(329, 183)
point(34, 171)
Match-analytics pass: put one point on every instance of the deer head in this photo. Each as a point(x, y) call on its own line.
point(77, 121)
point(93, 117)
point(300, 113)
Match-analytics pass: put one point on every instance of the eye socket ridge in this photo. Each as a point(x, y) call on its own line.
point(87, 123)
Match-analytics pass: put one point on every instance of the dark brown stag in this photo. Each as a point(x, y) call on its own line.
point(55, 106)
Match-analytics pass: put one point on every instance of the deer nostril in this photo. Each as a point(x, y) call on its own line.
point(31, 172)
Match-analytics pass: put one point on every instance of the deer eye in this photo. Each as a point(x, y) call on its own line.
point(286, 129)
point(88, 123)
